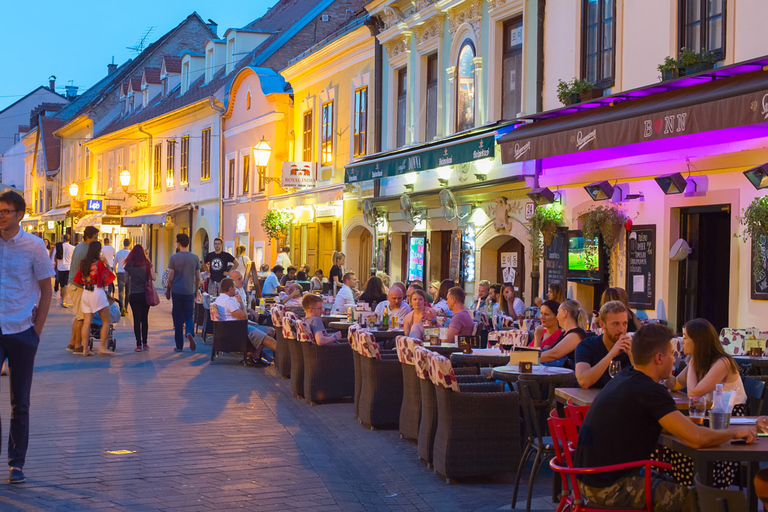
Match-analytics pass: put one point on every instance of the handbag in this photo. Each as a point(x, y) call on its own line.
point(150, 293)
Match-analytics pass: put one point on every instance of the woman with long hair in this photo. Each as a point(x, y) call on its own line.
point(506, 304)
point(374, 292)
point(441, 299)
point(555, 292)
point(243, 261)
point(546, 335)
point(139, 270)
point(95, 276)
point(573, 322)
point(337, 270)
point(412, 324)
point(621, 295)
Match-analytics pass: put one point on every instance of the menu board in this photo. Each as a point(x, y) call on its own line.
point(555, 260)
point(416, 258)
point(759, 263)
point(455, 263)
point(641, 266)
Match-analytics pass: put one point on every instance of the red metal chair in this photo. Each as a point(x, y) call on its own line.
point(565, 436)
point(577, 412)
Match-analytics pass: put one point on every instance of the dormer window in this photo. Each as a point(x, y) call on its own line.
point(184, 77)
point(165, 85)
point(208, 65)
point(146, 97)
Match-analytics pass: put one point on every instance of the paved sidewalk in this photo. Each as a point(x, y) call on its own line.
point(162, 431)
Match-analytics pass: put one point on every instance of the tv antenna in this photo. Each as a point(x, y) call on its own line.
point(140, 46)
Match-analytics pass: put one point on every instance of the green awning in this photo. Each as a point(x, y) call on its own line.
point(424, 157)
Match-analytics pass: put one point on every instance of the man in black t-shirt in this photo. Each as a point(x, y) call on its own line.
point(624, 423)
point(594, 355)
point(218, 264)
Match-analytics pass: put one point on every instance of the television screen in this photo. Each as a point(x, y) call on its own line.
point(581, 256)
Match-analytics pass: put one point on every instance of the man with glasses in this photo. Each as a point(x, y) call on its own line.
point(183, 282)
point(237, 277)
point(313, 307)
point(25, 293)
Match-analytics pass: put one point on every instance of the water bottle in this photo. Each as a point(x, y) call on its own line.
point(719, 417)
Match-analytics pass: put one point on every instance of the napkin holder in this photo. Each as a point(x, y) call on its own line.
point(520, 355)
point(465, 347)
point(526, 367)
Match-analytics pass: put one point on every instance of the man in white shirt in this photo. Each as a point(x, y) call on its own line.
point(237, 277)
point(231, 307)
point(109, 255)
point(123, 284)
point(345, 297)
point(63, 266)
point(394, 304)
point(272, 283)
point(284, 258)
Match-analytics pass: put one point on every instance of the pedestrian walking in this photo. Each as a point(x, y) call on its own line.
point(123, 283)
point(183, 282)
point(64, 251)
point(94, 276)
point(25, 292)
point(139, 270)
point(109, 259)
point(75, 290)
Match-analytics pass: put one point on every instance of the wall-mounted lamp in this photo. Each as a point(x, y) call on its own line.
point(672, 183)
point(542, 195)
point(481, 177)
point(409, 187)
point(73, 190)
point(758, 176)
point(261, 153)
point(125, 181)
point(599, 191)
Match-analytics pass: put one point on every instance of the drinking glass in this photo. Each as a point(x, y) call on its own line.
point(697, 409)
point(492, 340)
point(614, 368)
point(506, 346)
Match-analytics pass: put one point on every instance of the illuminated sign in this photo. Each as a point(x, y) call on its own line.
point(93, 205)
point(299, 174)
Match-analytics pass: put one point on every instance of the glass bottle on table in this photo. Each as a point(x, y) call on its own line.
point(385, 320)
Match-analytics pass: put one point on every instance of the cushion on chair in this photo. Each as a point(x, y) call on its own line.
point(441, 372)
point(507, 321)
point(304, 332)
point(367, 346)
point(289, 328)
point(485, 321)
point(405, 349)
point(215, 313)
point(421, 359)
point(733, 340)
point(277, 313)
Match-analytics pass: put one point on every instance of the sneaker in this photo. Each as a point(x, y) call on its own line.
point(77, 350)
point(64, 305)
point(123, 312)
point(16, 476)
point(145, 347)
point(70, 347)
point(138, 349)
point(177, 349)
point(192, 344)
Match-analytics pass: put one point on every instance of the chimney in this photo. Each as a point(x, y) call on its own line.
point(52, 83)
point(213, 26)
point(71, 92)
point(111, 68)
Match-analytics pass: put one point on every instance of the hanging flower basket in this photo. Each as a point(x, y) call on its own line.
point(544, 224)
point(606, 221)
point(754, 218)
point(276, 223)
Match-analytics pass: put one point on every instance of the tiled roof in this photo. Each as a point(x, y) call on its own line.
point(151, 75)
point(172, 64)
point(51, 144)
point(134, 83)
point(30, 94)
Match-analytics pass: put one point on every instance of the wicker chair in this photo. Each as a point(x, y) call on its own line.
point(352, 334)
point(410, 410)
point(282, 354)
point(328, 370)
point(231, 336)
point(381, 393)
point(428, 422)
point(290, 327)
point(478, 430)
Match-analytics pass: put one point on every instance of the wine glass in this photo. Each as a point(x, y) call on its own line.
point(614, 368)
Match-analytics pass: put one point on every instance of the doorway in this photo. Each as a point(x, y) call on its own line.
point(510, 265)
point(704, 277)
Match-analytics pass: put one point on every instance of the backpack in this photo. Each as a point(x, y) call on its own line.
point(59, 251)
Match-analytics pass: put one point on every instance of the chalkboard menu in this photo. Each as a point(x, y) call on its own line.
point(555, 261)
point(759, 263)
point(641, 267)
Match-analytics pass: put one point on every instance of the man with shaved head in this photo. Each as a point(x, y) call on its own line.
point(395, 304)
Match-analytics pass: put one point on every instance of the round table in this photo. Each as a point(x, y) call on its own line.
point(327, 319)
point(444, 349)
point(482, 356)
point(341, 326)
point(386, 338)
point(543, 374)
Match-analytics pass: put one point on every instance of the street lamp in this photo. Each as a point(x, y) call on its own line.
point(73, 189)
point(125, 181)
point(261, 154)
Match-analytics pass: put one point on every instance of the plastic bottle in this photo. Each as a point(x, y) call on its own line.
point(385, 320)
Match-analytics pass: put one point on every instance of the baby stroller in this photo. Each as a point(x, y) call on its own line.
point(96, 323)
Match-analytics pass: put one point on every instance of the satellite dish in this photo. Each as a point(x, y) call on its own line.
point(370, 215)
point(448, 202)
point(407, 206)
point(680, 250)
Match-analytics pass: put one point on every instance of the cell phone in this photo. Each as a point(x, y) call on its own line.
point(739, 441)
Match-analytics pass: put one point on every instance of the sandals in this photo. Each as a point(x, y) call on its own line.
point(105, 353)
point(88, 353)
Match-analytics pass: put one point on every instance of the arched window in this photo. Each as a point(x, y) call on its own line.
point(248, 101)
point(465, 87)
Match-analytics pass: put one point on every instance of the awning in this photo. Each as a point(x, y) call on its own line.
point(457, 149)
point(153, 214)
point(714, 105)
point(31, 220)
point(308, 197)
point(93, 219)
point(55, 215)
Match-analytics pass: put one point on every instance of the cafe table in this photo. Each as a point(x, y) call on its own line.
point(753, 454)
point(580, 396)
point(760, 362)
point(341, 326)
point(327, 319)
point(480, 356)
point(542, 374)
point(386, 337)
point(444, 349)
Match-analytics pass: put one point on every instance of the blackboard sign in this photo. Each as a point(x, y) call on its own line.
point(759, 263)
point(555, 261)
point(641, 267)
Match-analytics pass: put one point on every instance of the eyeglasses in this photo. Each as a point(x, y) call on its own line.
point(4, 213)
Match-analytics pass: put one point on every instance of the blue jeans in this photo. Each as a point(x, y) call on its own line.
point(183, 314)
point(20, 349)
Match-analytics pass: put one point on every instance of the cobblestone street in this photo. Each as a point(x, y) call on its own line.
point(164, 431)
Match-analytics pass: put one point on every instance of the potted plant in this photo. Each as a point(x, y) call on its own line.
point(544, 224)
point(754, 218)
point(276, 223)
point(668, 68)
point(606, 221)
point(576, 91)
point(691, 62)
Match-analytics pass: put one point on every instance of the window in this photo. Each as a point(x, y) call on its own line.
point(248, 101)
point(326, 134)
point(306, 147)
point(205, 156)
point(132, 164)
point(99, 174)
point(512, 69)
point(156, 168)
point(465, 88)
point(598, 41)
point(246, 174)
point(231, 187)
point(431, 111)
point(169, 163)
point(402, 103)
point(87, 163)
point(143, 180)
point(49, 197)
point(118, 168)
point(702, 26)
point(361, 122)
point(110, 166)
point(184, 167)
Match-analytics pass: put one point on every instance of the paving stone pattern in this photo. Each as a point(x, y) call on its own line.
point(163, 431)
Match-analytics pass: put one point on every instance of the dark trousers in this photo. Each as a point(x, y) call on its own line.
point(20, 349)
point(140, 310)
point(123, 289)
point(182, 311)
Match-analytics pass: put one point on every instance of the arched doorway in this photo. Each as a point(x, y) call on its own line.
point(503, 260)
point(359, 252)
point(201, 243)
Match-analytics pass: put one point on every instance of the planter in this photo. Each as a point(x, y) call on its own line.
point(573, 99)
point(669, 74)
point(699, 67)
point(590, 94)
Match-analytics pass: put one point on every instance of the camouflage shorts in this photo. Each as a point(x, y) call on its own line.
point(629, 492)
